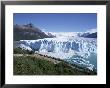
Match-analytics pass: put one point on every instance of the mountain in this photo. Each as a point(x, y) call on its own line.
point(28, 32)
point(50, 34)
point(89, 35)
point(92, 33)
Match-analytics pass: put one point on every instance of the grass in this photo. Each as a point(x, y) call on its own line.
point(22, 51)
point(28, 65)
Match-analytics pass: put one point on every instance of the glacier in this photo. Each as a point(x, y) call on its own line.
point(73, 49)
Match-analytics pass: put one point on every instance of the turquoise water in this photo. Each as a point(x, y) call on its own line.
point(93, 60)
point(90, 62)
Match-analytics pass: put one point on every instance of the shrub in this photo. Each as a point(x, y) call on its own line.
point(28, 65)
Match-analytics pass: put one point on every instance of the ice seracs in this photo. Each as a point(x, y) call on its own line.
point(65, 45)
point(23, 46)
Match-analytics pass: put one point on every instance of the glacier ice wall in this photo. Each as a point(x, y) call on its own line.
point(76, 49)
point(66, 45)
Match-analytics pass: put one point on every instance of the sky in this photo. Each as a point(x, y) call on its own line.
point(58, 22)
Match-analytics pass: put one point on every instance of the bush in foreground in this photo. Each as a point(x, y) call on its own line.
point(27, 65)
point(18, 50)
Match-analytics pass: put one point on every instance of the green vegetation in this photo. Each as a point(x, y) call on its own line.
point(22, 51)
point(35, 64)
point(28, 65)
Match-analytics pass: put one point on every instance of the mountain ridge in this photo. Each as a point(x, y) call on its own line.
point(28, 32)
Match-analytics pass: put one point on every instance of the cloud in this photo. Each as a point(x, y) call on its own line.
point(92, 30)
point(44, 30)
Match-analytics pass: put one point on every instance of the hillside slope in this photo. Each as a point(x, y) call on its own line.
point(28, 32)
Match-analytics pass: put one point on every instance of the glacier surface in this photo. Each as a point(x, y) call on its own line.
point(77, 50)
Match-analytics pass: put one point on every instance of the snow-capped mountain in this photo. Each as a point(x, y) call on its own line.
point(50, 34)
point(88, 34)
point(28, 32)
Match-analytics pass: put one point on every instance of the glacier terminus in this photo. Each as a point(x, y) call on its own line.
point(72, 47)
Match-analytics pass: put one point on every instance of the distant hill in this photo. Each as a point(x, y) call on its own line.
point(28, 32)
point(89, 35)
